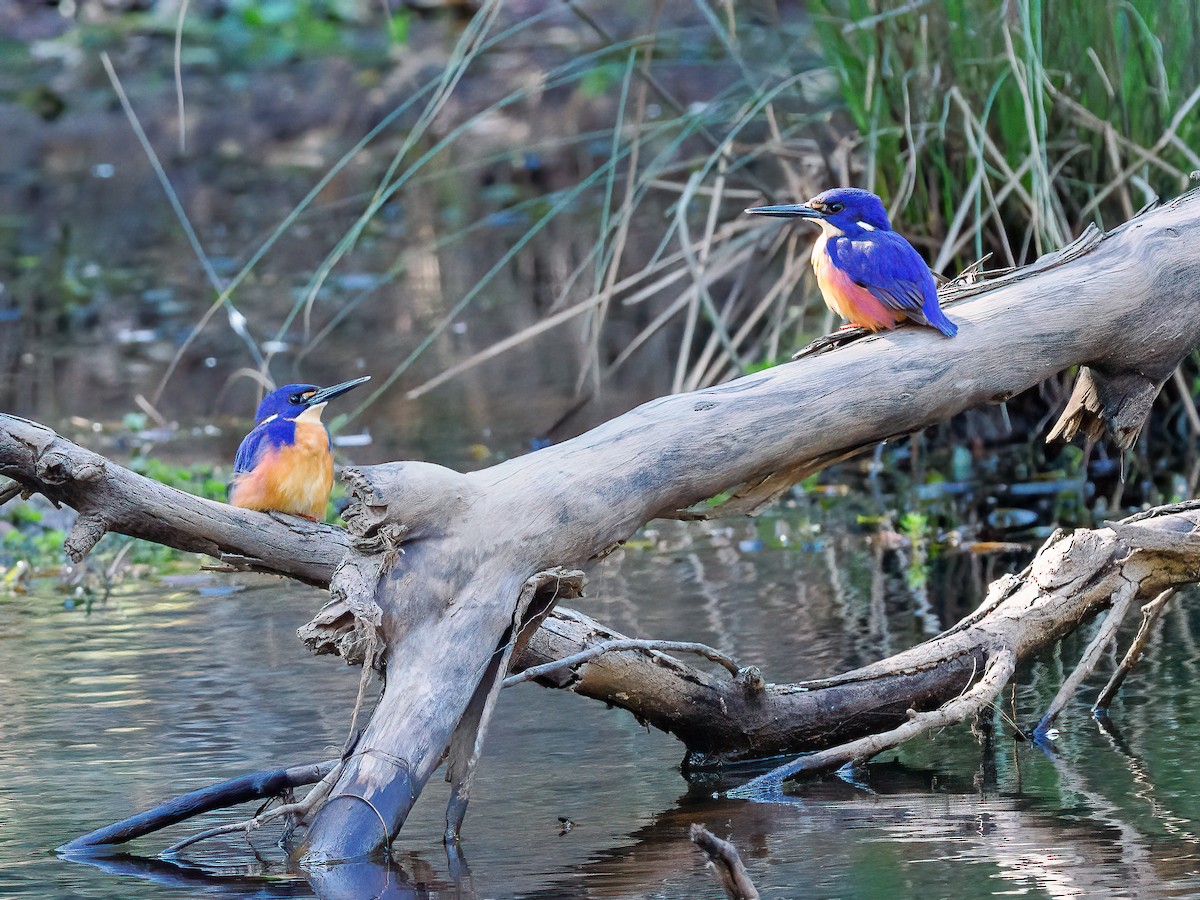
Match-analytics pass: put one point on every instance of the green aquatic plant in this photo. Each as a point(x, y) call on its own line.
point(915, 526)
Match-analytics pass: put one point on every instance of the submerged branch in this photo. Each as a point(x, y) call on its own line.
point(1107, 633)
point(1151, 613)
point(300, 809)
point(235, 791)
point(726, 862)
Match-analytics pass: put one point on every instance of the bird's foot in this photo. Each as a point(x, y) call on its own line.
point(844, 335)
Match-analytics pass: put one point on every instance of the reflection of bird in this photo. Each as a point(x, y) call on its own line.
point(286, 462)
point(867, 273)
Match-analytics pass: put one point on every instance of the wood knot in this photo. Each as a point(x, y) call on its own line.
point(56, 467)
point(751, 677)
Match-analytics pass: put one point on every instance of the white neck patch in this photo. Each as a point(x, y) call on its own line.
point(312, 414)
point(865, 226)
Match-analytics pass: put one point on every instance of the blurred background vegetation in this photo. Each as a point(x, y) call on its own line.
point(524, 217)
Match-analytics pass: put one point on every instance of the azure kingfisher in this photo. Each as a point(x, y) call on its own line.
point(286, 462)
point(867, 273)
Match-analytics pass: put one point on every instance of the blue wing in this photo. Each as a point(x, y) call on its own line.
point(887, 265)
point(266, 436)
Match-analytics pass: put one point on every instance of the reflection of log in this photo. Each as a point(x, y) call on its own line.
point(438, 559)
point(818, 833)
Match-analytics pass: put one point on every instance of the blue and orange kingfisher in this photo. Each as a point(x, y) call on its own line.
point(868, 274)
point(286, 462)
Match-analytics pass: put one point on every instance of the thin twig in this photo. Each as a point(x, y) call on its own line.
point(583, 656)
point(1151, 613)
point(839, 338)
point(1091, 656)
point(368, 667)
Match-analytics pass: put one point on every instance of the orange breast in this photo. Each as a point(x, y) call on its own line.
point(295, 479)
point(853, 303)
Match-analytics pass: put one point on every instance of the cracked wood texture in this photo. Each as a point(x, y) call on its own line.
point(438, 559)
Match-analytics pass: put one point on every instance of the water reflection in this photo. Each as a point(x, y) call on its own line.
point(163, 690)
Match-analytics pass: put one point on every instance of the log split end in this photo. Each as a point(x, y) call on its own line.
point(1113, 404)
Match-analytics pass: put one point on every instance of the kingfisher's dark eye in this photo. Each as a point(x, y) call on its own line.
point(835, 207)
point(295, 399)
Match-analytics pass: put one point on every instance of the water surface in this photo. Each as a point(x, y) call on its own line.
point(166, 687)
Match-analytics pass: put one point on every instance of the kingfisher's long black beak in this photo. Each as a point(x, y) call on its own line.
point(787, 211)
point(324, 395)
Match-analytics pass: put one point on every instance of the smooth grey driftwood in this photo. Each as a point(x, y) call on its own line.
point(1122, 304)
point(439, 558)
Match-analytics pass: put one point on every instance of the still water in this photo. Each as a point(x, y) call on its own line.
point(171, 685)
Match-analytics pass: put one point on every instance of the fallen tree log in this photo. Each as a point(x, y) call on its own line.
point(436, 562)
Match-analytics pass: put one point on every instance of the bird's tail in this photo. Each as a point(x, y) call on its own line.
point(935, 317)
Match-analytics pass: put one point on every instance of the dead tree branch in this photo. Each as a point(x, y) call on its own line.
point(1105, 635)
point(570, 662)
point(1151, 613)
point(726, 862)
point(111, 498)
point(235, 791)
point(436, 561)
point(960, 709)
